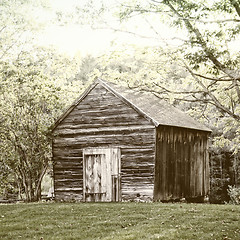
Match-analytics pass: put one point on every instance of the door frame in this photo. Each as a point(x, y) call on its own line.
point(112, 168)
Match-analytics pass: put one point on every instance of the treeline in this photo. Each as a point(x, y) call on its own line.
point(199, 74)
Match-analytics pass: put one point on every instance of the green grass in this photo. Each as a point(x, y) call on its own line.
point(119, 221)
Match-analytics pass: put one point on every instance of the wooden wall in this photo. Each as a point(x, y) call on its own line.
point(182, 164)
point(101, 120)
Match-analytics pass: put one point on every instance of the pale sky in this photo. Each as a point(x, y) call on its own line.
point(84, 40)
point(73, 39)
point(76, 39)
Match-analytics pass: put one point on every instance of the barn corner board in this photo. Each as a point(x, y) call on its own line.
point(116, 144)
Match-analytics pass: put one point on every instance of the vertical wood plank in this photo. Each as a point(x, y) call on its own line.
point(108, 175)
point(206, 168)
point(84, 177)
point(185, 160)
point(102, 172)
point(115, 172)
point(103, 178)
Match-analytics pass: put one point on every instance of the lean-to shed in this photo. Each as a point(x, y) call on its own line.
point(116, 144)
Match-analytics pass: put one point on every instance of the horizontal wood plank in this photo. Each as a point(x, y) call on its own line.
point(103, 120)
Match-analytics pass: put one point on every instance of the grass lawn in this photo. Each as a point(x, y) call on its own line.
point(119, 221)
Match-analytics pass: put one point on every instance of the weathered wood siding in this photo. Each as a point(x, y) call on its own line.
point(182, 163)
point(103, 120)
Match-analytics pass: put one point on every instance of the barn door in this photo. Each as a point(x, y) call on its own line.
point(101, 175)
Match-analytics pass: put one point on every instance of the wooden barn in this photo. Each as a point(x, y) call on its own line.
point(116, 144)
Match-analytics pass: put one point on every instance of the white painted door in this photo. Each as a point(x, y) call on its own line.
point(101, 174)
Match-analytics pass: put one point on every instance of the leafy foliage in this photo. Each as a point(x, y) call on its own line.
point(34, 89)
point(19, 19)
point(234, 194)
point(204, 44)
point(29, 103)
point(200, 73)
point(152, 70)
point(209, 30)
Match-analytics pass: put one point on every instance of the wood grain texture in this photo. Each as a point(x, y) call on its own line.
point(163, 162)
point(182, 164)
point(102, 120)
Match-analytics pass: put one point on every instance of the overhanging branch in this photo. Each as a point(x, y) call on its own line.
point(211, 95)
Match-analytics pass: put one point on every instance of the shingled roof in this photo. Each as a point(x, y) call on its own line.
point(158, 111)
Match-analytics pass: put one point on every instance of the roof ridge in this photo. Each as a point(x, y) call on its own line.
point(193, 124)
point(157, 111)
point(119, 95)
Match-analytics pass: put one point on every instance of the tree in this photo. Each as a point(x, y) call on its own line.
point(206, 34)
point(31, 98)
point(33, 91)
point(200, 68)
point(206, 52)
point(19, 20)
point(87, 65)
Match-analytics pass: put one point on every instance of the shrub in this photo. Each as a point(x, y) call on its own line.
point(219, 190)
point(234, 194)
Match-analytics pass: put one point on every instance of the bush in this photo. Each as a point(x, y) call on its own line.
point(234, 194)
point(219, 190)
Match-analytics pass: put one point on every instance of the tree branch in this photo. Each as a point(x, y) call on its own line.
point(198, 35)
point(204, 46)
point(215, 79)
point(236, 6)
point(177, 92)
point(210, 94)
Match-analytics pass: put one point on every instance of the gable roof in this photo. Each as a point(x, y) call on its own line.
point(158, 111)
